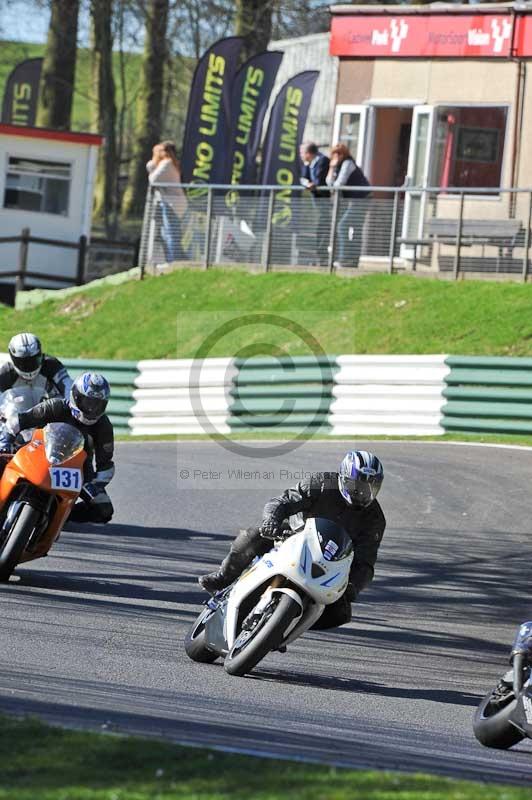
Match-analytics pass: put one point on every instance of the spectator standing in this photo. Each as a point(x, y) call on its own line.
point(314, 178)
point(344, 171)
point(165, 168)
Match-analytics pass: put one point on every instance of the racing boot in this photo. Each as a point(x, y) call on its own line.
point(230, 568)
point(245, 547)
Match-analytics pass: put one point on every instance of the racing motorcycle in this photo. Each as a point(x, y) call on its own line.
point(280, 596)
point(38, 487)
point(504, 717)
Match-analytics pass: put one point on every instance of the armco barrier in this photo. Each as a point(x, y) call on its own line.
point(182, 396)
point(486, 394)
point(282, 394)
point(394, 395)
point(121, 375)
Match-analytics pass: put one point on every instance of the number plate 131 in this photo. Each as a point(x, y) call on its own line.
point(66, 480)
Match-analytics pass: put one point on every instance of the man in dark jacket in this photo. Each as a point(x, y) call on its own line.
point(313, 177)
point(347, 497)
point(85, 410)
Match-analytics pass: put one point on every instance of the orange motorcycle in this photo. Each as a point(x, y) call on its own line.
point(38, 487)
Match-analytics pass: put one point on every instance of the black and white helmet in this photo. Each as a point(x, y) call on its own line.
point(26, 354)
point(360, 478)
point(89, 397)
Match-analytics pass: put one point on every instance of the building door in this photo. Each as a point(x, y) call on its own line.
point(419, 170)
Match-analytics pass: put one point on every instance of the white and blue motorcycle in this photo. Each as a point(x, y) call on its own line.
point(279, 597)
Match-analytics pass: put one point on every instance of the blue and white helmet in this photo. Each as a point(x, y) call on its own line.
point(89, 397)
point(360, 478)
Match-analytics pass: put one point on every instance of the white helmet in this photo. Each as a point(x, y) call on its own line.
point(26, 354)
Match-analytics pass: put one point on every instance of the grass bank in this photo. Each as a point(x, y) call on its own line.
point(170, 316)
point(44, 763)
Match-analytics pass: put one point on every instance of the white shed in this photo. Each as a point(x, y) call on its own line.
point(46, 185)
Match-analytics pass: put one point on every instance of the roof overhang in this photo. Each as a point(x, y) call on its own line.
point(47, 133)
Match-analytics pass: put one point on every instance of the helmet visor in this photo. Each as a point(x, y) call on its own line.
point(27, 364)
point(361, 492)
point(91, 407)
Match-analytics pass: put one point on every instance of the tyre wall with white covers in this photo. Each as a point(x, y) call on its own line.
point(339, 395)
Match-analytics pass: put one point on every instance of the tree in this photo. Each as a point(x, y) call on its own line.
point(253, 21)
point(104, 111)
point(59, 67)
point(149, 103)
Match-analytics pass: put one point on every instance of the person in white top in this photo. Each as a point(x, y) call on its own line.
point(344, 171)
point(164, 169)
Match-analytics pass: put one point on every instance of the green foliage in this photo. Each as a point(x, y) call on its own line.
point(170, 316)
point(12, 53)
point(44, 763)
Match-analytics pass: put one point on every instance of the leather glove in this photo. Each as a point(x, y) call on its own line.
point(351, 592)
point(270, 530)
point(11, 424)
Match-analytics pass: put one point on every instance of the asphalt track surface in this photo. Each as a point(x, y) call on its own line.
point(92, 635)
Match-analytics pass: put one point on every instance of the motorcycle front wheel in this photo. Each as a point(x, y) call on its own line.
point(195, 646)
point(17, 540)
point(491, 723)
point(268, 633)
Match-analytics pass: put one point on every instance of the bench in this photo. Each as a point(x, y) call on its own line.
point(504, 234)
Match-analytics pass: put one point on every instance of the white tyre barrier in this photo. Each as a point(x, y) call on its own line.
point(182, 396)
point(388, 395)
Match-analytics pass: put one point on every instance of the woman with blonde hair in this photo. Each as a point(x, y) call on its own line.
point(164, 168)
point(344, 171)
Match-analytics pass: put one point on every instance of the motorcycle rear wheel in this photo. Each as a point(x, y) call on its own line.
point(195, 646)
point(17, 540)
point(492, 727)
point(267, 636)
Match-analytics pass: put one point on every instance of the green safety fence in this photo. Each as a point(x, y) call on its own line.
point(283, 394)
point(121, 375)
point(488, 394)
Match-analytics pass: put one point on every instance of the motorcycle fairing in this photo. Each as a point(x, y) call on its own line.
point(521, 716)
point(293, 560)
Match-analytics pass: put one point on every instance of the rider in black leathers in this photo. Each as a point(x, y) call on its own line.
point(84, 410)
point(348, 498)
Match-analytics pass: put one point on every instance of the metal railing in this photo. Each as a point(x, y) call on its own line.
point(451, 231)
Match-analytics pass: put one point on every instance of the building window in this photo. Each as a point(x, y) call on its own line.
point(469, 147)
point(34, 185)
point(350, 130)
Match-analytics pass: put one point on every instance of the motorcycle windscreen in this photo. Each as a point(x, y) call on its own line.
point(523, 641)
point(334, 541)
point(62, 442)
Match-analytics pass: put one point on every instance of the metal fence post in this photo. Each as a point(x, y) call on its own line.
point(393, 232)
point(266, 253)
point(334, 224)
point(82, 254)
point(458, 245)
point(208, 228)
point(527, 239)
point(22, 258)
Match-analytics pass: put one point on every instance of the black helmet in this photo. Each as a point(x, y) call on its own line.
point(360, 478)
point(26, 354)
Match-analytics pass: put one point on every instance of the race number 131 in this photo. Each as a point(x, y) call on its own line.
point(68, 480)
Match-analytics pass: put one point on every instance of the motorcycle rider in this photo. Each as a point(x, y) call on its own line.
point(85, 410)
point(30, 367)
point(347, 497)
